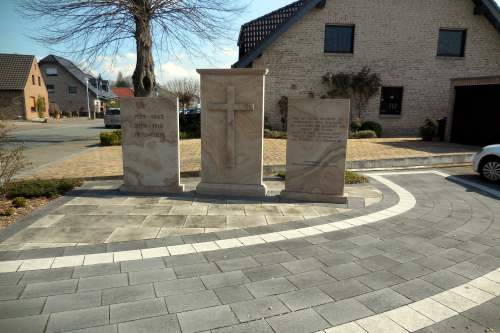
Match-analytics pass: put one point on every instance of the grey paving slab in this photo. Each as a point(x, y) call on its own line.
point(345, 289)
point(220, 280)
point(380, 279)
point(487, 314)
point(417, 289)
point(97, 329)
point(127, 294)
point(266, 272)
point(77, 319)
point(309, 251)
point(22, 307)
point(196, 270)
point(13, 278)
point(310, 279)
point(383, 300)
point(76, 301)
point(47, 275)
point(168, 323)
point(258, 326)
point(142, 265)
point(103, 282)
point(10, 292)
point(233, 294)
point(270, 287)
point(469, 270)
point(301, 266)
point(258, 309)
point(96, 270)
point(445, 279)
point(335, 259)
point(194, 301)
point(303, 321)
point(274, 258)
point(343, 311)
point(346, 271)
point(305, 298)
point(137, 310)
point(409, 270)
point(154, 275)
point(377, 263)
point(49, 288)
point(206, 319)
point(31, 324)
point(175, 287)
point(186, 259)
point(457, 324)
point(237, 264)
point(435, 262)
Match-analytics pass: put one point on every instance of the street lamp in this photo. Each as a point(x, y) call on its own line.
point(88, 100)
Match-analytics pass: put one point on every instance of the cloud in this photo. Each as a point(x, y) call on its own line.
point(171, 70)
point(230, 52)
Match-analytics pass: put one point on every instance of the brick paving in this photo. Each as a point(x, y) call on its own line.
point(432, 268)
point(107, 161)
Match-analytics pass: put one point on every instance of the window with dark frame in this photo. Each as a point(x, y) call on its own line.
point(72, 89)
point(51, 88)
point(51, 71)
point(33, 79)
point(39, 82)
point(339, 39)
point(451, 43)
point(391, 101)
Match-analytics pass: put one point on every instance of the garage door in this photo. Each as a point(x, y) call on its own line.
point(476, 117)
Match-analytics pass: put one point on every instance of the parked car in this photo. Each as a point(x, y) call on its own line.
point(487, 163)
point(112, 118)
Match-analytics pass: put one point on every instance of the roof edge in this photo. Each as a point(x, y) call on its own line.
point(252, 55)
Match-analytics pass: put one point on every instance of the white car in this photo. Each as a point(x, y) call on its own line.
point(487, 163)
point(112, 118)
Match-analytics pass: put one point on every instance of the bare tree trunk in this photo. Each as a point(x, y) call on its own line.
point(144, 77)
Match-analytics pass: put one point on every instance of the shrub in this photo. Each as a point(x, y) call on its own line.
point(364, 135)
point(41, 187)
point(270, 134)
point(111, 138)
point(12, 159)
point(372, 126)
point(356, 125)
point(429, 130)
point(7, 212)
point(351, 177)
point(191, 125)
point(19, 202)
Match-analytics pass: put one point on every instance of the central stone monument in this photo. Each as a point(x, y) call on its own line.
point(316, 149)
point(232, 123)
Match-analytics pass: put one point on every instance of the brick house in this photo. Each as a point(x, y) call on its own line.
point(21, 84)
point(67, 87)
point(428, 53)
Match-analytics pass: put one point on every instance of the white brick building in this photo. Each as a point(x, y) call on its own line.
point(420, 48)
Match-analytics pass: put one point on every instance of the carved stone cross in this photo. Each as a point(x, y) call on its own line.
point(230, 107)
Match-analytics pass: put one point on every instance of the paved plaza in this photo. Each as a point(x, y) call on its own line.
point(424, 257)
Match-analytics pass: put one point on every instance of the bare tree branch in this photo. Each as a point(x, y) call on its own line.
point(186, 89)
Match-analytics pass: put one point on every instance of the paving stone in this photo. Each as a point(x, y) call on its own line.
point(32, 324)
point(174, 287)
point(417, 289)
point(346, 271)
point(337, 259)
point(224, 279)
point(259, 249)
point(225, 254)
point(258, 326)
point(456, 255)
point(486, 314)
point(363, 252)
point(61, 303)
point(403, 256)
point(345, 289)
point(381, 279)
point(72, 320)
point(309, 252)
point(142, 265)
point(274, 258)
point(445, 279)
point(469, 270)
point(270, 287)
point(46, 275)
point(258, 309)
point(127, 294)
point(137, 310)
point(206, 319)
point(380, 324)
point(233, 294)
point(409, 270)
point(383, 300)
point(96, 270)
point(10, 292)
point(305, 298)
point(49, 288)
point(303, 321)
point(377, 263)
point(341, 245)
point(10, 278)
point(310, 279)
point(103, 282)
point(187, 302)
point(196, 270)
point(149, 276)
point(343, 311)
point(435, 262)
point(266, 272)
point(237, 264)
point(167, 323)
point(21, 308)
point(457, 324)
point(185, 259)
point(301, 266)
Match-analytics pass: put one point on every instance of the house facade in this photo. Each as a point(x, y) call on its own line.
point(418, 48)
point(67, 87)
point(21, 86)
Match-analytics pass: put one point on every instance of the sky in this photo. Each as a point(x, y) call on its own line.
point(16, 31)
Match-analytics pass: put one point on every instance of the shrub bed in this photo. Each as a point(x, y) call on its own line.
point(111, 138)
point(37, 188)
point(270, 134)
point(351, 177)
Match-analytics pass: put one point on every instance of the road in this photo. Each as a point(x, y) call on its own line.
point(57, 140)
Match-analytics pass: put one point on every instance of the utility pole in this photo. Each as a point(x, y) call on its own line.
point(88, 99)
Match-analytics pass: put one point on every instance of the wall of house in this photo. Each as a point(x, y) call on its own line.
point(35, 87)
point(67, 102)
point(396, 39)
point(11, 104)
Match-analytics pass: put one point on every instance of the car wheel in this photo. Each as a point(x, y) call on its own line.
point(490, 169)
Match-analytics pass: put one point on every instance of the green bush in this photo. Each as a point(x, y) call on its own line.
point(41, 188)
point(270, 134)
point(364, 135)
point(111, 138)
point(351, 177)
point(19, 202)
point(372, 126)
point(7, 212)
point(356, 125)
point(429, 130)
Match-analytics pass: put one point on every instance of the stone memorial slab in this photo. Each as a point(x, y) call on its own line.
point(316, 149)
point(232, 123)
point(150, 144)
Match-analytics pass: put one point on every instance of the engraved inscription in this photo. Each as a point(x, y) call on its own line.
point(149, 126)
point(319, 129)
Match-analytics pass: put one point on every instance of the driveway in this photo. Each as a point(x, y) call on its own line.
point(56, 140)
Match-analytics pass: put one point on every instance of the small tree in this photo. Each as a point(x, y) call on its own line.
point(359, 87)
point(12, 159)
point(186, 89)
point(123, 82)
point(40, 106)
